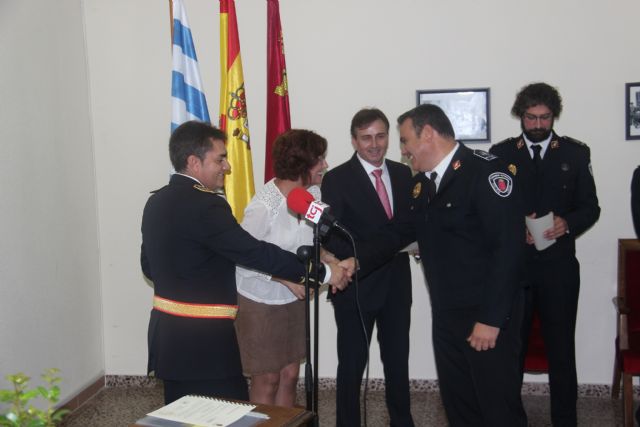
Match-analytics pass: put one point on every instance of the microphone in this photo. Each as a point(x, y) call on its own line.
point(301, 202)
point(305, 252)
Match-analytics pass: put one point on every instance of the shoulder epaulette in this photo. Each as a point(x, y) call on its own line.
point(575, 141)
point(161, 188)
point(484, 155)
point(506, 141)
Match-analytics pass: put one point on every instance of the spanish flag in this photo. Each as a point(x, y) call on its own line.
point(278, 116)
point(233, 113)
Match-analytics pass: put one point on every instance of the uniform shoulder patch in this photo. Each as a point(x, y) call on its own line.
point(501, 184)
point(484, 155)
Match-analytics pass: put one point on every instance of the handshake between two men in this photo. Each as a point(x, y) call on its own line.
point(341, 271)
point(341, 274)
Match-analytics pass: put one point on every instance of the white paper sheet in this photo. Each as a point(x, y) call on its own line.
point(537, 227)
point(203, 411)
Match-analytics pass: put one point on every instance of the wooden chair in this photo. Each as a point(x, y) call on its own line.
point(535, 361)
point(627, 303)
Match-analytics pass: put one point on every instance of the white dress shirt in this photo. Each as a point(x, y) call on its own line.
point(543, 144)
point(386, 179)
point(441, 168)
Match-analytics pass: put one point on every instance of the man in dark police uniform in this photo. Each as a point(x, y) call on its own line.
point(190, 246)
point(554, 174)
point(469, 227)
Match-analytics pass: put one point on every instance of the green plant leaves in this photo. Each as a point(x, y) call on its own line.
point(21, 413)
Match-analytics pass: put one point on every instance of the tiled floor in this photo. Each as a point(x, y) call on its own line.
point(122, 406)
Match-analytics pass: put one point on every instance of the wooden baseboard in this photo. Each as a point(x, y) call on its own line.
point(85, 394)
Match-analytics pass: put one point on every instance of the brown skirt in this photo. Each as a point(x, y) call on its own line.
point(270, 336)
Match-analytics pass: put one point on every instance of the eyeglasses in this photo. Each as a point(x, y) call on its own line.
point(533, 118)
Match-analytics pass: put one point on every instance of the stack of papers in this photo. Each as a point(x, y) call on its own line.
point(203, 411)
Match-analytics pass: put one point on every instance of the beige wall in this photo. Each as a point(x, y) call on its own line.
point(341, 55)
point(50, 304)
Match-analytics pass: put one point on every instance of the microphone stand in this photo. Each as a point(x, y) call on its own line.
point(316, 288)
point(311, 376)
point(308, 369)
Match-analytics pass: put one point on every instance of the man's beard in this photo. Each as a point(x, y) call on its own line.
point(537, 134)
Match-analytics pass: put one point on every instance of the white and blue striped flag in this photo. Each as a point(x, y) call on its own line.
point(187, 97)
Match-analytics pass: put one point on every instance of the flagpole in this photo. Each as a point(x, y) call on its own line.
point(171, 21)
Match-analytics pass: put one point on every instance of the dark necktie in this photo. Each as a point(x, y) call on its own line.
point(431, 185)
point(536, 155)
point(537, 161)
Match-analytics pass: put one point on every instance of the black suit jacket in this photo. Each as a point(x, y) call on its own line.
point(190, 246)
point(563, 185)
point(355, 203)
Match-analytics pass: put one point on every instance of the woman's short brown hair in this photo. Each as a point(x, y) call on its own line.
point(295, 152)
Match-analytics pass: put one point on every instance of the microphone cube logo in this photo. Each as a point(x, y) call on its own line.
point(315, 211)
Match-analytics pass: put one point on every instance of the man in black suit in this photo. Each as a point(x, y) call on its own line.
point(468, 223)
point(366, 193)
point(555, 175)
point(190, 246)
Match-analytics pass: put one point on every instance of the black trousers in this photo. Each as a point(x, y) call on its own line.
point(227, 388)
point(393, 320)
point(479, 388)
point(553, 294)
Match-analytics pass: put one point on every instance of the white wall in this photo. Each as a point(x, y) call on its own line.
point(50, 313)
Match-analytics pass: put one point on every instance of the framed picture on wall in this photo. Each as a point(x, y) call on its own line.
point(468, 110)
point(632, 110)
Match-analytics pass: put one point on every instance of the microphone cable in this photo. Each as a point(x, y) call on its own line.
point(362, 324)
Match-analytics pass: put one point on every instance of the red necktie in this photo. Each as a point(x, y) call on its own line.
point(382, 193)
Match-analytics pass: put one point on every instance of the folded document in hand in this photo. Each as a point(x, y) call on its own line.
point(537, 227)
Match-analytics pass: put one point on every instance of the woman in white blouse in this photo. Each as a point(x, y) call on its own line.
point(270, 321)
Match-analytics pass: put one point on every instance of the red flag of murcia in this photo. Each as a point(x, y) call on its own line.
point(278, 115)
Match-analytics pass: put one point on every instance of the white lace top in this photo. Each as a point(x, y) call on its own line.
point(267, 218)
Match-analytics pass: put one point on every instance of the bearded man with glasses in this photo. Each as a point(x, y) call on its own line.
point(555, 177)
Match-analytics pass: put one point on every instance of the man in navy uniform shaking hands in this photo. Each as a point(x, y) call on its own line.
point(191, 244)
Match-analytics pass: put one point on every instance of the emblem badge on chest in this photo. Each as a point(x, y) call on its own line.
point(501, 184)
point(416, 190)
